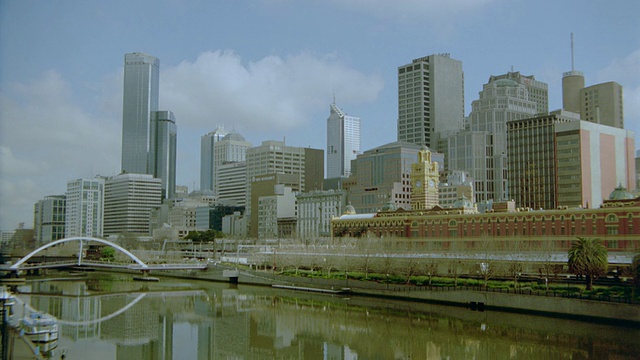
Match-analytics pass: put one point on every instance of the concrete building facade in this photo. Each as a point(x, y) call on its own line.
point(603, 104)
point(49, 218)
point(84, 208)
point(315, 209)
point(128, 202)
point(207, 158)
point(430, 99)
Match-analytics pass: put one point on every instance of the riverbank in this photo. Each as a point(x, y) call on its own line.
point(477, 299)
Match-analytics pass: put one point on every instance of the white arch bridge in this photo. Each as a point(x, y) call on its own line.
point(137, 264)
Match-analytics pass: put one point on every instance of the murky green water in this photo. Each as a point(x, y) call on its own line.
point(109, 316)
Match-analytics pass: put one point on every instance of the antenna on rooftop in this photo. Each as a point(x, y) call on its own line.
point(571, 51)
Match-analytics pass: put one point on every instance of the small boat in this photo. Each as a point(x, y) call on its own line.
point(40, 327)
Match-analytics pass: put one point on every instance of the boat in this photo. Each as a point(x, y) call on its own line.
point(40, 327)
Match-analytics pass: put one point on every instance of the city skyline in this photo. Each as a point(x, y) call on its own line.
point(61, 88)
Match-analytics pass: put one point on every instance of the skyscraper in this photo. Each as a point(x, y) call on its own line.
point(84, 207)
point(603, 104)
point(502, 99)
point(128, 201)
point(343, 142)
point(140, 98)
point(207, 158)
point(162, 154)
point(430, 99)
point(49, 219)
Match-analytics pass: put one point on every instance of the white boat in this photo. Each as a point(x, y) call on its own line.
point(40, 327)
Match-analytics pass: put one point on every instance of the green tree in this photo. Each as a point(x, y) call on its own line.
point(108, 253)
point(635, 269)
point(588, 257)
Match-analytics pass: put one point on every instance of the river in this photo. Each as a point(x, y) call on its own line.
point(110, 316)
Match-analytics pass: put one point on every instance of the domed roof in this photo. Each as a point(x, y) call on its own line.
point(390, 206)
point(505, 82)
point(349, 210)
point(620, 193)
point(233, 135)
point(462, 202)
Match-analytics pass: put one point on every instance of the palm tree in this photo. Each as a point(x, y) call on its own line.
point(588, 257)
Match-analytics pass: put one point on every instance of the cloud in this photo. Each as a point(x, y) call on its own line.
point(47, 139)
point(273, 92)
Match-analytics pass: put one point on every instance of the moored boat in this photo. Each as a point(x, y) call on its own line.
point(40, 327)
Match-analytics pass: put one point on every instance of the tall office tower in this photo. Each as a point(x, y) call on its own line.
point(207, 158)
point(85, 206)
point(343, 142)
point(128, 201)
point(48, 219)
point(603, 104)
point(501, 100)
point(275, 157)
point(232, 148)
point(140, 98)
point(532, 160)
point(162, 156)
point(430, 99)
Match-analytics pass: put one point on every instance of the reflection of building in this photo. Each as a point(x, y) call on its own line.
point(49, 219)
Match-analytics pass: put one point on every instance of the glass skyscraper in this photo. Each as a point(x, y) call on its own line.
point(343, 142)
point(141, 87)
point(162, 153)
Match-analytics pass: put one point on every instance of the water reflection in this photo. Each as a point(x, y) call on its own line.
point(112, 317)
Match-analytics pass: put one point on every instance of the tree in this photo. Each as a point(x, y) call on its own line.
point(635, 269)
point(108, 254)
point(588, 257)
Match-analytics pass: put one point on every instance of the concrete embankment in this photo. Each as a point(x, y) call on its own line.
point(592, 310)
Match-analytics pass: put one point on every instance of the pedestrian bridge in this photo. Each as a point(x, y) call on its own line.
point(137, 264)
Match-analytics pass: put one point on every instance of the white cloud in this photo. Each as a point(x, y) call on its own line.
point(46, 139)
point(273, 92)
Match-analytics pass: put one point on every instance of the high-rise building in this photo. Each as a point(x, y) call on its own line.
point(592, 161)
point(343, 142)
point(603, 104)
point(84, 208)
point(128, 202)
point(538, 91)
point(501, 100)
point(430, 99)
point(207, 158)
point(532, 160)
point(49, 217)
point(572, 83)
point(162, 159)
point(140, 98)
point(275, 157)
point(232, 183)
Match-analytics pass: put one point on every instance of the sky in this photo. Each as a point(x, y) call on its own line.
point(268, 69)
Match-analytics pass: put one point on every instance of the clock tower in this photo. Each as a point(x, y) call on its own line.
point(424, 181)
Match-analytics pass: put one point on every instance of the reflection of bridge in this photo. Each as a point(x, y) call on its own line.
point(137, 265)
point(139, 297)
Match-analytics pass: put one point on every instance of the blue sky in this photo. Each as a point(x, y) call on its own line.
point(267, 68)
